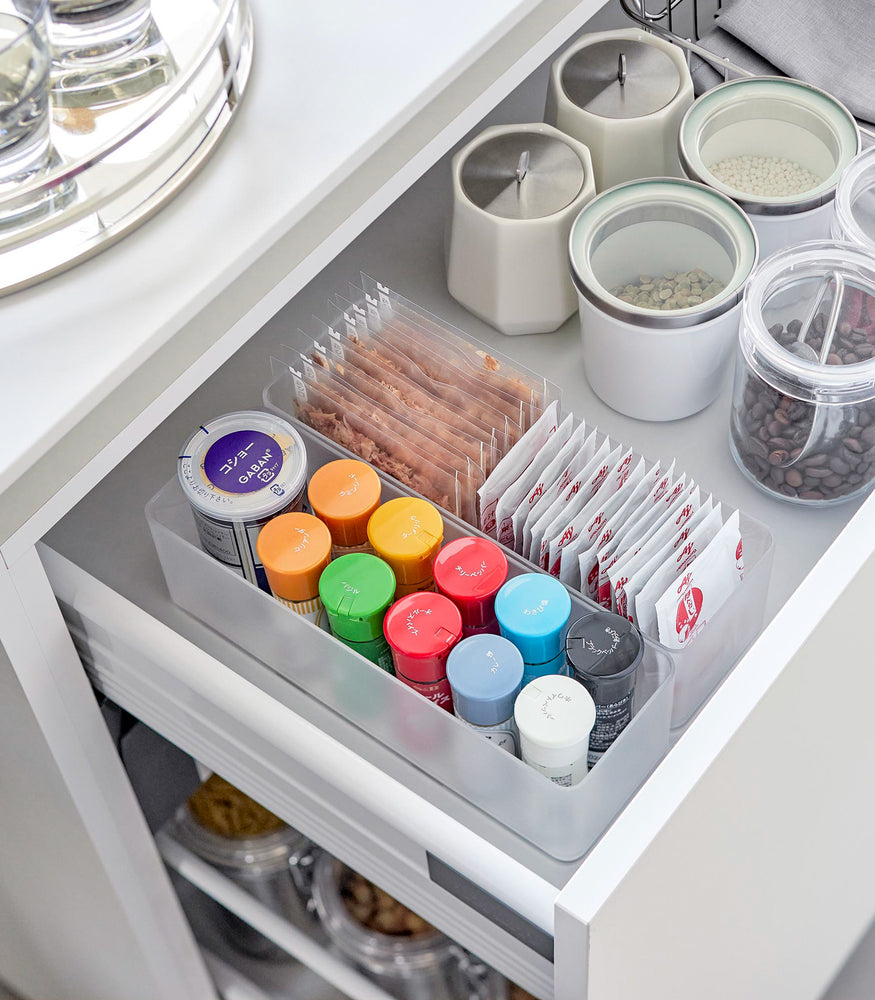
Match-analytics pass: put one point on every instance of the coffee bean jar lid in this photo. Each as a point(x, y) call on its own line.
point(620, 78)
point(662, 253)
point(855, 202)
point(529, 173)
point(774, 145)
point(808, 322)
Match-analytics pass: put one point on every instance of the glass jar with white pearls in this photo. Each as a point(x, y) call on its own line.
point(776, 147)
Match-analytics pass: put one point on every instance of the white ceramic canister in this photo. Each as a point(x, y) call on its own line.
point(516, 191)
point(776, 119)
point(623, 93)
point(854, 206)
point(237, 472)
point(647, 363)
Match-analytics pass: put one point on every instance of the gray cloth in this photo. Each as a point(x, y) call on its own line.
point(826, 43)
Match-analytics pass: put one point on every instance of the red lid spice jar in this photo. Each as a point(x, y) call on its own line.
point(471, 571)
point(422, 628)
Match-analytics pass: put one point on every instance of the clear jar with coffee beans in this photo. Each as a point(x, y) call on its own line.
point(803, 411)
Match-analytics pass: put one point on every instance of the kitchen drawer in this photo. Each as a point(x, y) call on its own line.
point(728, 856)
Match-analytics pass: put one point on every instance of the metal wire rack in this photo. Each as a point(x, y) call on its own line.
point(665, 23)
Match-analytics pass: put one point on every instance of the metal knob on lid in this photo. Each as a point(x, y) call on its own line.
point(522, 175)
point(620, 78)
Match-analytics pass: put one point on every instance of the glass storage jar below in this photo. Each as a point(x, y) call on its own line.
point(803, 410)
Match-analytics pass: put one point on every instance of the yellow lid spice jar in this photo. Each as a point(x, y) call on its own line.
point(294, 550)
point(407, 534)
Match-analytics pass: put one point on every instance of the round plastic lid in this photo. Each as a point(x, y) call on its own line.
point(855, 201)
point(485, 673)
point(294, 550)
point(423, 625)
point(603, 644)
point(532, 610)
point(344, 494)
point(787, 286)
point(243, 466)
point(470, 570)
point(407, 533)
point(555, 712)
point(356, 589)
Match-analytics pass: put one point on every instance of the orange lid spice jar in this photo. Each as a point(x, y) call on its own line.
point(294, 550)
point(343, 495)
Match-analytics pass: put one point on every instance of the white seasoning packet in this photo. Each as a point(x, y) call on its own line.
point(573, 459)
point(518, 498)
point(641, 553)
point(593, 471)
point(595, 517)
point(641, 516)
point(651, 583)
point(514, 463)
point(576, 497)
point(701, 590)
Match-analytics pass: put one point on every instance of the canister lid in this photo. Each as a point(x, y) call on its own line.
point(470, 570)
point(603, 644)
point(407, 533)
point(423, 625)
point(344, 494)
point(855, 201)
point(245, 465)
point(526, 174)
point(555, 712)
point(294, 550)
point(620, 78)
point(486, 674)
point(532, 611)
point(356, 589)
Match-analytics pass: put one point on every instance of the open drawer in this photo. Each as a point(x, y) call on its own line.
point(728, 855)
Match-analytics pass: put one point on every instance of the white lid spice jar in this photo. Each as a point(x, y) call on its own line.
point(516, 191)
point(623, 93)
point(775, 146)
point(660, 267)
point(554, 715)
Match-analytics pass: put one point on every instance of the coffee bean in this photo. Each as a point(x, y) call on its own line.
point(867, 435)
point(818, 459)
point(833, 359)
point(793, 477)
point(816, 473)
point(777, 475)
point(850, 358)
point(787, 490)
point(852, 445)
point(781, 442)
point(778, 457)
point(794, 326)
point(763, 434)
point(811, 495)
point(756, 447)
point(839, 466)
point(833, 481)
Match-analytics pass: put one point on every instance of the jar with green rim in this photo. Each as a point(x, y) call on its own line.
point(356, 590)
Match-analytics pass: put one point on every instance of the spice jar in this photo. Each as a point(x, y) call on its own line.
point(294, 550)
point(854, 206)
point(604, 652)
point(470, 571)
point(237, 472)
point(622, 93)
point(803, 410)
point(407, 533)
point(516, 191)
point(255, 849)
point(660, 267)
point(532, 611)
point(554, 715)
point(486, 675)
point(775, 146)
point(422, 628)
point(344, 494)
point(356, 590)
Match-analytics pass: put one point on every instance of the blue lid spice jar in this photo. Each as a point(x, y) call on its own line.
point(486, 675)
point(533, 611)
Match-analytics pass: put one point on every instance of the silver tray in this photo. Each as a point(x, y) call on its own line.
point(124, 149)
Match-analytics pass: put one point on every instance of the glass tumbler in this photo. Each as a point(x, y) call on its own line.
point(803, 410)
point(24, 96)
point(83, 31)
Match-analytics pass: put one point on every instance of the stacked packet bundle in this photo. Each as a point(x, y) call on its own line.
point(633, 536)
point(410, 394)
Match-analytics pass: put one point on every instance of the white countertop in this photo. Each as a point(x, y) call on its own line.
point(333, 88)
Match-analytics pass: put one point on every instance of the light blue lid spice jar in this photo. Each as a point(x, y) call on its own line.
point(533, 611)
point(486, 674)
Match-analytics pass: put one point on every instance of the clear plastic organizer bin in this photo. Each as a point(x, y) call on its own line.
point(701, 666)
point(563, 822)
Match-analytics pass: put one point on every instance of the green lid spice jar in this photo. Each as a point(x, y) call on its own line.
point(356, 590)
